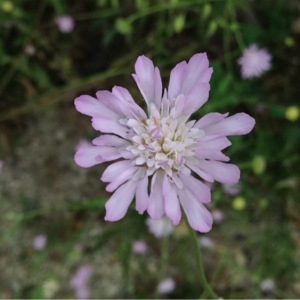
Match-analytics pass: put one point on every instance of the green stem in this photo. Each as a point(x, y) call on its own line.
point(207, 288)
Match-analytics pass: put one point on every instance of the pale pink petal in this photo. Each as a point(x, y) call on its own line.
point(141, 196)
point(109, 126)
point(211, 154)
point(222, 172)
point(196, 98)
point(156, 202)
point(197, 65)
point(110, 140)
point(218, 143)
point(90, 156)
point(117, 205)
point(91, 106)
point(200, 190)
point(117, 104)
point(172, 207)
point(121, 178)
point(114, 169)
point(197, 214)
point(126, 100)
point(176, 79)
point(237, 124)
point(148, 80)
point(210, 119)
point(205, 175)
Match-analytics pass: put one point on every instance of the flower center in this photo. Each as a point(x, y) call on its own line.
point(162, 142)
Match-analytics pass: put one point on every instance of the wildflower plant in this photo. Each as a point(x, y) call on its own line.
point(162, 157)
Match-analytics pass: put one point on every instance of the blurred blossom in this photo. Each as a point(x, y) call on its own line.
point(139, 247)
point(292, 113)
point(254, 61)
point(7, 6)
point(239, 203)
point(39, 242)
point(166, 286)
point(29, 50)
point(217, 215)
point(232, 189)
point(206, 242)
point(79, 282)
point(65, 23)
point(50, 287)
point(160, 228)
point(267, 285)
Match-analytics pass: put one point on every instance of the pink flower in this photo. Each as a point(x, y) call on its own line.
point(139, 247)
point(39, 242)
point(159, 150)
point(79, 282)
point(160, 228)
point(267, 285)
point(254, 61)
point(166, 286)
point(65, 23)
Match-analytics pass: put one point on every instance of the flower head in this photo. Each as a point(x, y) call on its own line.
point(65, 23)
point(79, 282)
point(160, 150)
point(254, 61)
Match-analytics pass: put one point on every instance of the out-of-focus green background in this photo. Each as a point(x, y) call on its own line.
point(43, 192)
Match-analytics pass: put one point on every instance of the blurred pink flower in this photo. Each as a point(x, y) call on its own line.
point(267, 285)
point(139, 247)
point(217, 215)
point(254, 61)
point(65, 23)
point(39, 242)
point(79, 282)
point(159, 150)
point(166, 286)
point(160, 228)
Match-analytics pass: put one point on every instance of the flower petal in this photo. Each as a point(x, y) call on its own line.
point(210, 119)
point(114, 169)
point(156, 202)
point(90, 156)
point(237, 124)
point(222, 172)
point(141, 196)
point(176, 79)
point(121, 178)
point(117, 205)
point(172, 207)
point(200, 190)
point(109, 126)
point(197, 214)
point(148, 80)
point(91, 106)
point(110, 140)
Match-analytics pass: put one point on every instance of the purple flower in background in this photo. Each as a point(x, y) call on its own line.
point(65, 23)
point(254, 61)
point(79, 282)
point(267, 285)
point(39, 242)
point(160, 228)
point(139, 247)
point(166, 286)
point(159, 150)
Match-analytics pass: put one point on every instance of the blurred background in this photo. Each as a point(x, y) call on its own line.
point(54, 242)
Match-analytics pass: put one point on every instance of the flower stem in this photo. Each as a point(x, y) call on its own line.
point(207, 288)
